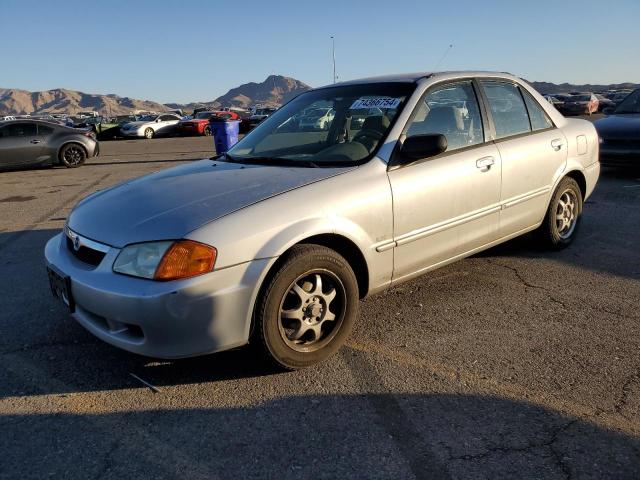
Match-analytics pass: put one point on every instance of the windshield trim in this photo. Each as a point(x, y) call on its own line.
point(411, 88)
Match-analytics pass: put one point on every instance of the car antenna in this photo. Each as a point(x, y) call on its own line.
point(444, 55)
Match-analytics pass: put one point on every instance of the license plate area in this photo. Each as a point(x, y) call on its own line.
point(61, 287)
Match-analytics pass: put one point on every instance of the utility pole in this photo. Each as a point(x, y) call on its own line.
point(333, 54)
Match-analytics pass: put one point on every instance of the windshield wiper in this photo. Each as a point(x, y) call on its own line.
point(275, 161)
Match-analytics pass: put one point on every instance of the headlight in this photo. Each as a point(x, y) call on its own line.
point(166, 260)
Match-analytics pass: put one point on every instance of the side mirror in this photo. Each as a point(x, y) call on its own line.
point(608, 110)
point(417, 147)
point(158, 120)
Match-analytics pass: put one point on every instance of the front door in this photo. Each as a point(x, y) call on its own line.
point(446, 205)
point(19, 144)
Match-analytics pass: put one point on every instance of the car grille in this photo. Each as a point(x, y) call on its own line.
point(84, 249)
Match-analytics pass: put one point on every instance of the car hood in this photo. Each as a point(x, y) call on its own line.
point(619, 126)
point(169, 204)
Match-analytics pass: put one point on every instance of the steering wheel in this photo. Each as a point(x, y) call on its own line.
point(368, 133)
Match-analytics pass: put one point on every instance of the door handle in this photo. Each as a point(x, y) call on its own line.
point(557, 143)
point(34, 141)
point(485, 163)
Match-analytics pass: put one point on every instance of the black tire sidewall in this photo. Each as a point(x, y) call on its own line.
point(72, 165)
point(301, 259)
point(207, 129)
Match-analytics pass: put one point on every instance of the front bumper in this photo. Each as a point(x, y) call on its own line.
point(174, 319)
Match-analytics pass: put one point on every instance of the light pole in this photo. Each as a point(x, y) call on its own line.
point(333, 54)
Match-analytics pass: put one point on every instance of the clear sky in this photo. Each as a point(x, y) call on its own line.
point(195, 50)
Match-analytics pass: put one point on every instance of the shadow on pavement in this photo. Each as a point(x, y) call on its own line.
point(318, 436)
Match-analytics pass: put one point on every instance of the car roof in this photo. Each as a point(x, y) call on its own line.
point(418, 76)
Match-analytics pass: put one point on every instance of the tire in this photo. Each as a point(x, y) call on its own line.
point(293, 326)
point(72, 155)
point(560, 226)
point(207, 131)
point(148, 133)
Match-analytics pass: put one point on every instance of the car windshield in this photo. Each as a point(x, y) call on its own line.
point(338, 139)
point(148, 118)
point(264, 111)
point(631, 104)
point(202, 115)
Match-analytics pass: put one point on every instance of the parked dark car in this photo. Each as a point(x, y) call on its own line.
point(35, 142)
point(620, 133)
point(580, 104)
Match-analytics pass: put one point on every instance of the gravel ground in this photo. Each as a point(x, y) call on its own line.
point(515, 363)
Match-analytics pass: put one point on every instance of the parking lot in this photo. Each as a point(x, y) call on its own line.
point(514, 363)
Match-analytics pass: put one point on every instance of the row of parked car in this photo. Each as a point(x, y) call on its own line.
point(587, 103)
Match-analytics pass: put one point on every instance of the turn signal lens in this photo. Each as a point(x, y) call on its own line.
point(186, 258)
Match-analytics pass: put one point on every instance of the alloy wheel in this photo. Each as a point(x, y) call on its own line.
point(312, 310)
point(566, 214)
point(73, 155)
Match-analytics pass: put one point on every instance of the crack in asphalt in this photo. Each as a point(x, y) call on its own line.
point(549, 443)
point(528, 284)
point(621, 403)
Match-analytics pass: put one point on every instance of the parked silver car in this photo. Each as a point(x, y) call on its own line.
point(34, 142)
point(151, 126)
point(275, 241)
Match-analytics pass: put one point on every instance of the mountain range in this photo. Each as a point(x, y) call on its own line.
point(273, 91)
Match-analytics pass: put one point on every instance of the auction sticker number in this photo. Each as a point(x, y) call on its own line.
point(378, 102)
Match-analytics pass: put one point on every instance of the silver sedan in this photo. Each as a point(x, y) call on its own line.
point(275, 241)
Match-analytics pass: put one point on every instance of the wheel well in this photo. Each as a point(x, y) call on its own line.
point(351, 253)
point(580, 180)
point(71, 143)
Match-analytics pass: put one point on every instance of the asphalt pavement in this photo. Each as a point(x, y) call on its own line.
point(515, 363)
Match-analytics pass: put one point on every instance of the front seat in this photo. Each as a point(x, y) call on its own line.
point(372, 131)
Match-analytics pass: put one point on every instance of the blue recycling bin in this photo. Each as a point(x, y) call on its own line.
point(225, 133)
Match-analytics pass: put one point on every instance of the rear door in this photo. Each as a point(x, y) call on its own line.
point(20, 144)
point(532, 149)
point(446, 205)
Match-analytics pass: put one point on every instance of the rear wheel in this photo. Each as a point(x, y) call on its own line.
point(563, 216)
point(148, 133)
point(72, 155)
point(308, 307)
point(207, 131)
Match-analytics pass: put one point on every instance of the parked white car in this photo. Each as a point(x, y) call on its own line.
point(151, 126)
point(317, 118)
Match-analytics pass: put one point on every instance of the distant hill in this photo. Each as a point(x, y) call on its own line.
point(547, 87)
point(274, 91)
point(60, 100)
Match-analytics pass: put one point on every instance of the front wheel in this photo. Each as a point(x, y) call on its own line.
point(562, 220)
point(308, 307)
point(148, 133)
point(207, 131)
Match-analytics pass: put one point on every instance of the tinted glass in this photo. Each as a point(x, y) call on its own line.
point(507, 108)
point(451, 110)
point(165, 118)
point(44, 130)
point(19, 130)
point(631, 103)
point(539, 118)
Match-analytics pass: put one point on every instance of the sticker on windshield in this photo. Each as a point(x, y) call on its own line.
point(376, 102)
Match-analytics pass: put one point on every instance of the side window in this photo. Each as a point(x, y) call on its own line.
point(507, 109)
point(44, 130)
point(20, 130)
point(451, 110)
point(539, 118)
